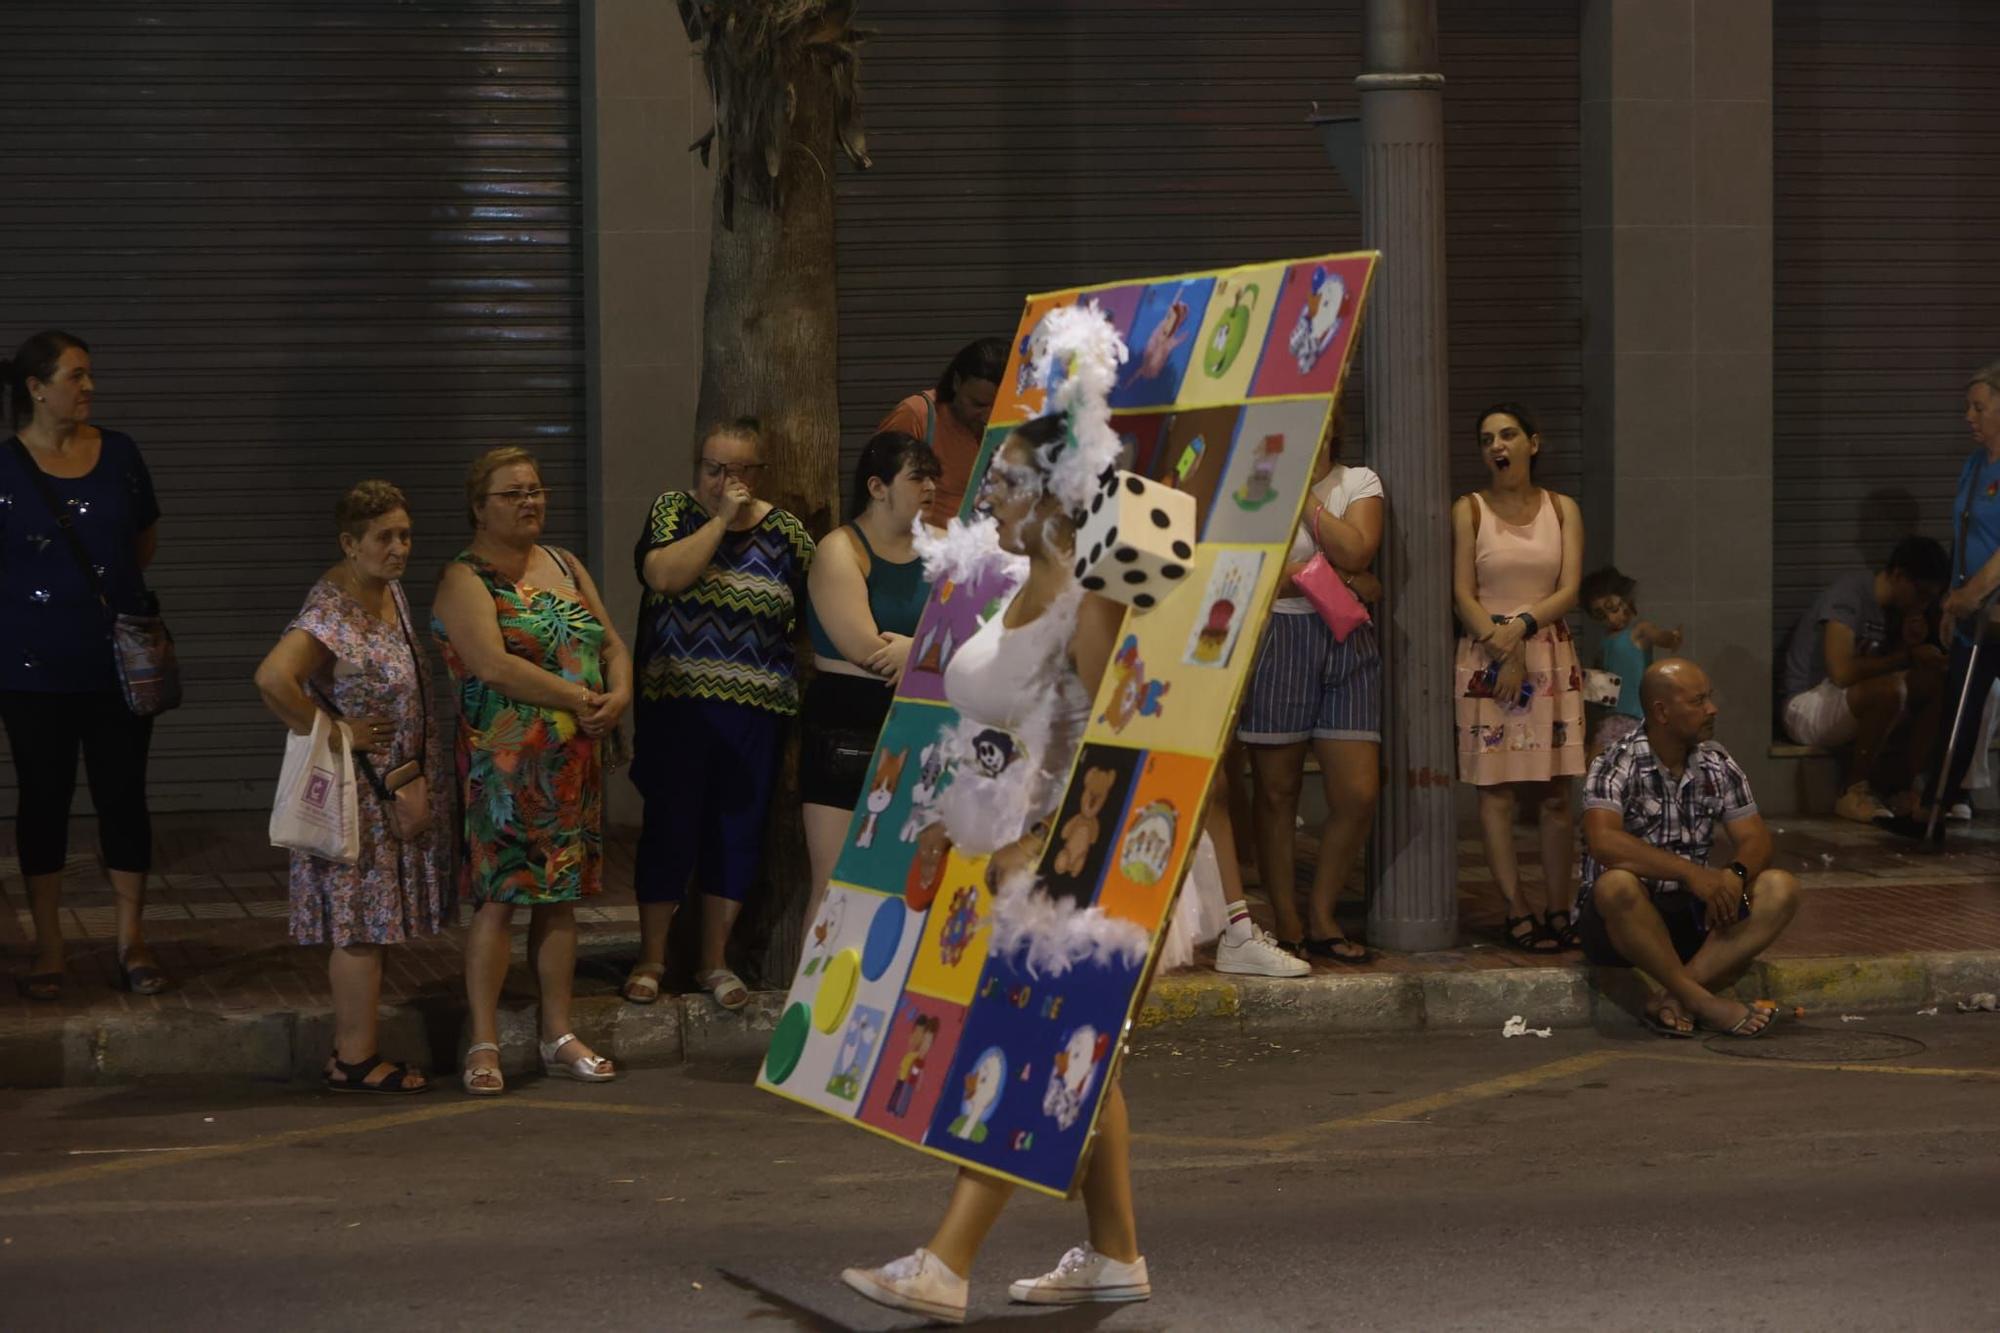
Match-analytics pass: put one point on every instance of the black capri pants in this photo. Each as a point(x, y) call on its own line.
point(45, 733)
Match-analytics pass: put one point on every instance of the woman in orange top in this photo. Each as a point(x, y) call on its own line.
point(951, 419)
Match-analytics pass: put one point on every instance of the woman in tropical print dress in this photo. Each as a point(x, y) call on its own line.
point(542, 680)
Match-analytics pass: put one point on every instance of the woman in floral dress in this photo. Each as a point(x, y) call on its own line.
point(1517, 562)
point(351, 651)
point(542, 680)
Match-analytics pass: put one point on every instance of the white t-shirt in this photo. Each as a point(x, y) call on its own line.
point(1336, 490)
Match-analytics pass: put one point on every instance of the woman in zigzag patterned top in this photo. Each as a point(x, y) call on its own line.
point(724, 574)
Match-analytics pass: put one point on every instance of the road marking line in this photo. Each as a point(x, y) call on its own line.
point(1408, 1109)
point(655, 1109)
point(1831, 1066)
point(74, 1175)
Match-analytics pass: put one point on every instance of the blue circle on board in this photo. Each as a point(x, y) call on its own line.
point(885, 936)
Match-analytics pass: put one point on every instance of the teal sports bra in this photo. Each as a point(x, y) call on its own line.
point(896, 596)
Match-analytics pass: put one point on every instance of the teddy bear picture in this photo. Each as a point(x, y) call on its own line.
point(1081, 831)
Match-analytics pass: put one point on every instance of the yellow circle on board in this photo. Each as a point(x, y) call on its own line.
point(836, 990)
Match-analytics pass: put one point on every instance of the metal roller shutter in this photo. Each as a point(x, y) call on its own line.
point(1024, 146)
point(308, 243)
point(1887, 152)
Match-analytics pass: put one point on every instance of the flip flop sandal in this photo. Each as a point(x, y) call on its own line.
point(1659, 1026)
point(354, 1078)
point(42, 987)
point(1328, 947)
point(1756, 1007)
point(727, 988)
point(642, 983)
point(144, 979)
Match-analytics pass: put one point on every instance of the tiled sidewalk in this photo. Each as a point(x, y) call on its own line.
point(217, 918)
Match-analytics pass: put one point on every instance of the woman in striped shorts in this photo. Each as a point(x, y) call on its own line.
point(1308, 690)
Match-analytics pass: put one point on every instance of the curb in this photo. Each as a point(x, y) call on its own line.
point(97, 1050)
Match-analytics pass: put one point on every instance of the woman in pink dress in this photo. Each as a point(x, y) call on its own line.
point(1517, 560)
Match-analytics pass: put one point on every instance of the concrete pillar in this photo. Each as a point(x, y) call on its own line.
point(1677, 265)
point(1415, 905)
point(645, 209)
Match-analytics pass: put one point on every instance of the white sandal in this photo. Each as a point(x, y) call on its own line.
point(584, 1069)
point(642, 983)
point(723, 983)
point(468, 1072)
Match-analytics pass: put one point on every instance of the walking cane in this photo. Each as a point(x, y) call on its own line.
point(1980, 626)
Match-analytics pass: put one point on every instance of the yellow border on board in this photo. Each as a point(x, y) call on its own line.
point(1146, 974)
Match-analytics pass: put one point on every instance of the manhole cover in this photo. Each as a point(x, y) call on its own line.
point(1796, 1041)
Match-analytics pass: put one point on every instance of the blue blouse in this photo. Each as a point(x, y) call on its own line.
point(54, 638)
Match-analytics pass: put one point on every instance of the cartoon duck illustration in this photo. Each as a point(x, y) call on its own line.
point(983, 1087)
point(1073, 1074)
point(1319, 318)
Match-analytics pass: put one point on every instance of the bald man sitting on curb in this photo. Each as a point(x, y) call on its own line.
point(1650, 899)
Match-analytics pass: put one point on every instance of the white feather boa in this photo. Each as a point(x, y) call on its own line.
point(1052, 935)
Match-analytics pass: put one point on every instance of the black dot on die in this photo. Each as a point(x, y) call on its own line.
point(1095, 552)
point(1134, 485)
point(1142, 600)
point(1126, 555)
point(1172, 571)
point(1160, 519)
point(1183, 550)
point(1111, 535)
point(1093, 583)
point(1135, 576)
point(1109, 477)
point(1097, 502)
point(1081, 565)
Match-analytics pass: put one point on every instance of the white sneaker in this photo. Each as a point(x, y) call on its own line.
point(1258, 956)
point(1962, 812)
point(1085, 1275)
point(919, 1283)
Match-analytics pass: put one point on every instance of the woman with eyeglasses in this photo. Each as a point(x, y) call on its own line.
point(542, 679)
point(724, 575)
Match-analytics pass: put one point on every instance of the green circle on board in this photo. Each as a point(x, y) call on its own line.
point(787, 1043)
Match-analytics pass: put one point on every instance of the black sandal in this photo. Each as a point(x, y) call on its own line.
point(354, 1077)
point(1531, 940)
point(1328, 948)
point(42, 987)
point(1566, 935)
point(145, 979)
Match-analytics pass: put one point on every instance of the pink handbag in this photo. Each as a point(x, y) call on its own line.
point(1331, 597)
point(1329, 594)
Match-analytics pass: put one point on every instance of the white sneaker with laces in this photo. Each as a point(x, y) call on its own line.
point(1258, 956)
point(1085, 1275)
point(918, 1282)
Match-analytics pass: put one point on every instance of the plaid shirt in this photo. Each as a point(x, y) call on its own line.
point(1677, 818)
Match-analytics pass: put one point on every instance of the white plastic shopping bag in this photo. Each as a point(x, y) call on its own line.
point(315, 811)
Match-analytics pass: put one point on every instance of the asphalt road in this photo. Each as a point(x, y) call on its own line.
point(1846, 1178)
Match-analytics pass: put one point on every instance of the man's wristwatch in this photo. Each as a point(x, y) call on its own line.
point(1742, 872)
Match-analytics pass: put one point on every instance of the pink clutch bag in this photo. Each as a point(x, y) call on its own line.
point(1334, 600)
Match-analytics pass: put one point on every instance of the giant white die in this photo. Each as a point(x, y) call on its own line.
point(1136, 541)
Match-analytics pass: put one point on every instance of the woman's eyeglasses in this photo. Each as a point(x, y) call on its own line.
point(520, 495)
point(737, 471)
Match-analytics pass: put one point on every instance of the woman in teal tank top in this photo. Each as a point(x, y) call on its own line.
point(863, 597)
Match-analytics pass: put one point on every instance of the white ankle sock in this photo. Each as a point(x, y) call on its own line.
point(1240, 927)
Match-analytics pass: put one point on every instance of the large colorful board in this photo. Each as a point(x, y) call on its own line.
point(901, 1018)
